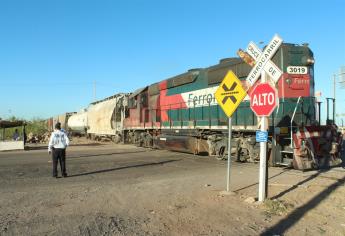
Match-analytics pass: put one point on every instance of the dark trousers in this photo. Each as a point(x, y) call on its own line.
point(59, 154)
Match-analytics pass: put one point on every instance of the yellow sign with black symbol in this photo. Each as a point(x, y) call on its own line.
point(230, 93)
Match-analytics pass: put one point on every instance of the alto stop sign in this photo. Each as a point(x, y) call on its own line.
point(263, 99)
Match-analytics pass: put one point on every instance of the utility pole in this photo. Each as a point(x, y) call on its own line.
point(342, 77)
point(342, 83)
point(334, 79)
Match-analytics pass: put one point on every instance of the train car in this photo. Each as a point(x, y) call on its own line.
point(181, 114)
point(140, 119)
point(50, 124)
point(105, 117)
point(62, 118)
point(77, 123)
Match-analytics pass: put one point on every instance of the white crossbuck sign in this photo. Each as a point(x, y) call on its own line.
point(263, 60)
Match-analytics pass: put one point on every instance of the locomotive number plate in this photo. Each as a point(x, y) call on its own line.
point(297, 70)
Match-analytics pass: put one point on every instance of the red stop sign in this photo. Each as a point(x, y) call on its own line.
point(263, 99)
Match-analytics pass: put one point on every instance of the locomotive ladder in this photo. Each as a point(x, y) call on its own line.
point(290, 151)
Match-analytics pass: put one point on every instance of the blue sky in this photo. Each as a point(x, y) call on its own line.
point(51, 52)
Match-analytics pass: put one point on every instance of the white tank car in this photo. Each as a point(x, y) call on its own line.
point(62, 119)
point(77, 123)
point(105, 117)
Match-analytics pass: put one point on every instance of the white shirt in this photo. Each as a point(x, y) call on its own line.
point(58, 139)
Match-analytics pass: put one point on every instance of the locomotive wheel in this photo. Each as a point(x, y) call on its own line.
point(315, 166)
point(221, 155)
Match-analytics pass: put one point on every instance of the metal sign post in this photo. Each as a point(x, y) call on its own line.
point(263, 100)
point(263, 159)
point(263, 97)
point(263, 164)
point(229, 155)
point(229, 95)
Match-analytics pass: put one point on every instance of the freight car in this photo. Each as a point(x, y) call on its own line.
point(105, 117)
point(50, 124)
point(181, 114)
point(77, 123)
point(62, 118)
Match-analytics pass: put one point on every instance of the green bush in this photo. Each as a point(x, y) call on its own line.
point(36, 126)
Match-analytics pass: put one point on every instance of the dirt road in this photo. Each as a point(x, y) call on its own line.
point(125, 190)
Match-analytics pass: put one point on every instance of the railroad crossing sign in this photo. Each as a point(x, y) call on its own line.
point(230, 93)
point(263, 99)
point(263, 61)
point(271, 69)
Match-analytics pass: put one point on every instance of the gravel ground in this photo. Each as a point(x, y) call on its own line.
point(126, 190)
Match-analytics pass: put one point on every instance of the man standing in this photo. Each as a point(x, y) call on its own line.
point(57, 146)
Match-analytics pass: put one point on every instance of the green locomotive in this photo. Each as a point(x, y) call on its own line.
point(181, 114)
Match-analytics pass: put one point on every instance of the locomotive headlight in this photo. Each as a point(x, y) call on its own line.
point(307, 60)
point(288, 81)
point(310, 61)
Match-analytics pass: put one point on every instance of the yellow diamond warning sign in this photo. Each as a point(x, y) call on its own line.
point(230, 93)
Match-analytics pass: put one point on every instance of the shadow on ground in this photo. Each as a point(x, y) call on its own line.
point(283, 225)
point(86, 144)
point(123, 167)
point(251, 185)
point(40, 146)
point(109, 154)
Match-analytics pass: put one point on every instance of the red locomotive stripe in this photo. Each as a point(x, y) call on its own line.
point(171, 102)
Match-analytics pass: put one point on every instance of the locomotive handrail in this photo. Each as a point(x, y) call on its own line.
point(293, 116)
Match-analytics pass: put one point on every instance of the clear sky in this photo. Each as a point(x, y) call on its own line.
point(53, 51)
